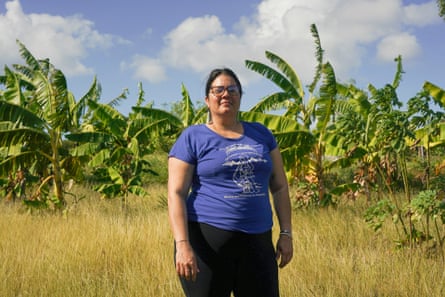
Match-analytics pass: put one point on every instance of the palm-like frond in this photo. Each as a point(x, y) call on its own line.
point(291, 157)
point(357, 98)
point(158, 114)
point(275, 101)
point(80, 111)
point(441, 5)
point(342, 104)
point(19, 115)
point(439, 139)
point(280, 80)
point(21, 136)
point(275, 123)
point(31, 61)
point(50, 89)
point(85, 149)
point(200, 115)
point(146, 129)
point(100, 158)
point(116, 101)
point(399, 72)
point(188, 113)
point(319, 57)
point(13, 88)
point(328, 92)
point(73, 166)
point(288, 71)
point(437, 93)
point(12, 163)
point(141, 95)
point(110, 118)
point(61, 115)
point(90, 137)
point(300, 138)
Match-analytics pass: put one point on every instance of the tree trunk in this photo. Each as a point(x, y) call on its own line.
point(57, 172)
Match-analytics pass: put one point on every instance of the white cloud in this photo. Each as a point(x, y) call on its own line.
point(145, 68)
point(195, 42)
point(66, 41)
point(402, 44)
point(422, 14)
point(349, 32)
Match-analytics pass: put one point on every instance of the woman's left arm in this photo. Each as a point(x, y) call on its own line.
point(280, 193)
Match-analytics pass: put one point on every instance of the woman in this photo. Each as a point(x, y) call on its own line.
point(220, 175)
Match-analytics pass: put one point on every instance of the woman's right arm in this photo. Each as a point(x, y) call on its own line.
point(179, 180)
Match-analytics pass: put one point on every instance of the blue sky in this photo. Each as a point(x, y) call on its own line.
point(164, 44)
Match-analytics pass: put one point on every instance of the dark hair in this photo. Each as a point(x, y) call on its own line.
point(217, 72)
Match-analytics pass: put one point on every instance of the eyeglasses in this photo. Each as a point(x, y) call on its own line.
point(219, 90)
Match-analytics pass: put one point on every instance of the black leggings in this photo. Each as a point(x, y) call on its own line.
point(232, 262)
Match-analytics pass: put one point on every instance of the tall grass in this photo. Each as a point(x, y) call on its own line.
point(96, 249)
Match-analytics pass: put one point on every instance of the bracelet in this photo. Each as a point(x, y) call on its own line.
point(286, 233)
point(182, 240)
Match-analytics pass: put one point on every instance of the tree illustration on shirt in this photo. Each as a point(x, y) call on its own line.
point(243, 156)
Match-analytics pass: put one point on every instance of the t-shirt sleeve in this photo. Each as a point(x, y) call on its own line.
point(182, 148)
point(273, 141)
point(269, 138)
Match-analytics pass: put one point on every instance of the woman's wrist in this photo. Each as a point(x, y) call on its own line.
point(286, 232)
point(181, 240)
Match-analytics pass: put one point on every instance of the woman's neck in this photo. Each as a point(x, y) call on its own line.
point(230, 129)
point(225, 124)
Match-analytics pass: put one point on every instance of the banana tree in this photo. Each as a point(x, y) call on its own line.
point(376, 134)
point(119, 145)
point(350, 136)
point(183, 115)
point(36, 111)
point(428, 122)
point(305, 156)
point(115, 147)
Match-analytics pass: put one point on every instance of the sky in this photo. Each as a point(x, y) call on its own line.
point(164, 44)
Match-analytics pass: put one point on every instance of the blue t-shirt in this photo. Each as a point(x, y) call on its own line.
point(230, 185)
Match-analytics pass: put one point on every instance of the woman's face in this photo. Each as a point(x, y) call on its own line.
point(224, 96)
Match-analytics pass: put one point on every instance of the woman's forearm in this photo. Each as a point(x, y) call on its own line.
point(178, 217)
point(179, 180)
point(283, 208)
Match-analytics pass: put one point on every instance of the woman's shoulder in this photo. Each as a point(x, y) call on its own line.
point(189, 139)
point(192, 129)
point(260, 132)
point(256, 126)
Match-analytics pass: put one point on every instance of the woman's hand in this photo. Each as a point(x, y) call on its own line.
point(285, 250)
point(186, 264)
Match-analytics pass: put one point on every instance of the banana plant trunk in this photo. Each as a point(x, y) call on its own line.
point(320, 173)
point(57, 171)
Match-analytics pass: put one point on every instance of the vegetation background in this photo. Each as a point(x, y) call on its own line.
point(83, 187)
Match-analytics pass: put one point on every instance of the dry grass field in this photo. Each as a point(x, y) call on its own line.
point(96, 249)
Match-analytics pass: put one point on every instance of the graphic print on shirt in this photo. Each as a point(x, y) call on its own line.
point(244, 157)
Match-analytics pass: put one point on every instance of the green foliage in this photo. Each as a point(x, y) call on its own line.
point(305, 195)
point(334, 128)
point(305, 151)
point(376, 215)
point(116, 147)
point(426, 213)
point(441, 6)
point(36, 112)
point(427, 205)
